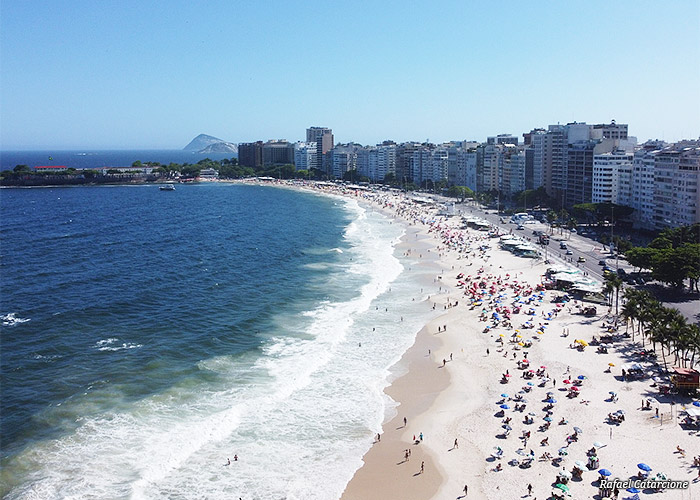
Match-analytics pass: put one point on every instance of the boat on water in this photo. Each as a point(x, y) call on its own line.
point(167, 187)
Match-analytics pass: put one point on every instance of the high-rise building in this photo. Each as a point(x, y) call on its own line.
point(250, 154)
point(323, 137)
point(342, 158)
point(612, 176)
point(676, 182)
point(304, 155)
point(277, 152)
point(643, 184)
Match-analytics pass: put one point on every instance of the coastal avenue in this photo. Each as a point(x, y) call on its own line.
point(589, 249)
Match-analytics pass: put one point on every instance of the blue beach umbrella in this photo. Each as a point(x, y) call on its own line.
point(696, 403)
point(633, 490)
point(530, 384)
point(547, 419)
point(505, 407)
point(550, 401)
point(644, 467)
point(605, 472)
point(504, 395)
point(581, 377)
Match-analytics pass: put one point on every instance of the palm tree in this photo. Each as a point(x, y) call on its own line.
point(613, 283)
point(630, 309)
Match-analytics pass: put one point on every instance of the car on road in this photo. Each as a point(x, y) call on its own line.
point(562, 245)
point(608, 269)
point(621, 272)
point(521, 227)
point(581, 259)
point(602, 263)
point(569, 252)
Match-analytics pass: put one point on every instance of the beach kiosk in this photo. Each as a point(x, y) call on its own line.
point(686, 379)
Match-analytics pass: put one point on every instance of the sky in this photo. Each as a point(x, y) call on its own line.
point(154, 74)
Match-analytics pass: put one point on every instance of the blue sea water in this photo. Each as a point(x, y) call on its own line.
point(101, 158)
point(149, 336)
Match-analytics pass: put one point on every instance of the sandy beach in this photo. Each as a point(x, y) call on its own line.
point(451, 395)
point(473, 419)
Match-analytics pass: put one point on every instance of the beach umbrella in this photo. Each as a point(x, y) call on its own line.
point(696, 403)
point(532, 414)
point(611, 364)
point(578, 430)
point(547, 419)
point(505, 407)
point(562, 487)
point(644, 467)
point(530, 384)
point(598, 444)
point(567, 381)
point(575, 389)
point(543, 367)
point(612, 393)
point(605, 472)
point(551, 401)
point(563, 451)
point(633, 490)
point(564, 473)
point(526, 361)
point(507, 375)
point(508, 427)
point(504, 395)
point(580, 464)
point(581, 377)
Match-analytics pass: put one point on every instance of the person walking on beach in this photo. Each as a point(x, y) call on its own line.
point(404, 421)
point(529, 490)
point(456, 445)
point(422, 467)
point(466, 490)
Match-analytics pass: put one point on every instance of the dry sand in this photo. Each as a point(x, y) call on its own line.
point(459, 402)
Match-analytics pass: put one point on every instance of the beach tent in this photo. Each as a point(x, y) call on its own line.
point(685, 378)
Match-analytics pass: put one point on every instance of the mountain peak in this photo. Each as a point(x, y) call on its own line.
point(201, 142)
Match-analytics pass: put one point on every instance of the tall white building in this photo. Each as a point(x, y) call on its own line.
point(612, 175)
point(343, 158)
point(305, 155)
point(643, 187)
point(676, 179)
point(461, 167)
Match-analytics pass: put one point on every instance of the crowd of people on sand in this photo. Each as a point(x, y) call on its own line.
point(518, 315)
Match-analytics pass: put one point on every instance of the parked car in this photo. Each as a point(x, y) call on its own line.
point(621, 272)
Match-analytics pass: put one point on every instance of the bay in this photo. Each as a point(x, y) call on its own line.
point(160, 333)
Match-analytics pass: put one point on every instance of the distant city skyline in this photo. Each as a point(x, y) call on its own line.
point(134, 75)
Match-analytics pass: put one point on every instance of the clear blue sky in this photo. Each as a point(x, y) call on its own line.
point(154, 74)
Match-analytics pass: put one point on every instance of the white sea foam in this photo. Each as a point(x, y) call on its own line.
point(11, 319)
point(299, 416)
point(110, 345)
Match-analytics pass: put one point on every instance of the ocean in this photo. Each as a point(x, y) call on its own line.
point(103, 158)
point(148, 337)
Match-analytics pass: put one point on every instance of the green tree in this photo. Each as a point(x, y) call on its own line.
point(611, 287)
point(461, 192)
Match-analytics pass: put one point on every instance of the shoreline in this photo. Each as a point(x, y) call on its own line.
point(458, 403)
